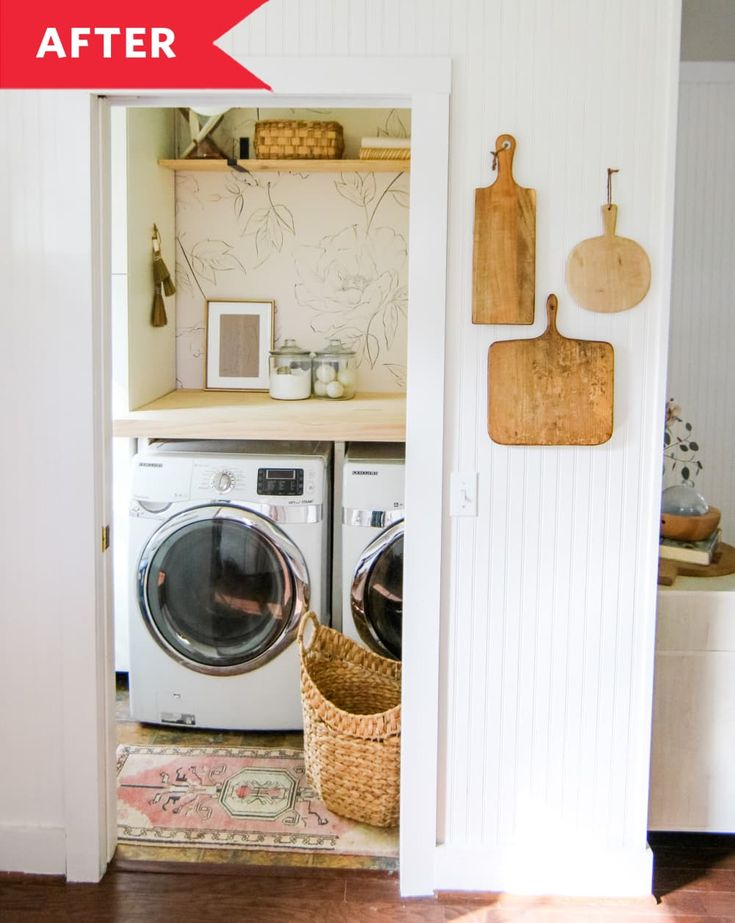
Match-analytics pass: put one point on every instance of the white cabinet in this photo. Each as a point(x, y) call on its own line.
point(693, 747)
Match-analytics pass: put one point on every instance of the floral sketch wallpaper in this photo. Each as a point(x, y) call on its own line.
point(330, 249)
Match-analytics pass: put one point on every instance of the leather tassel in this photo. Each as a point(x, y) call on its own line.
point(158, 314)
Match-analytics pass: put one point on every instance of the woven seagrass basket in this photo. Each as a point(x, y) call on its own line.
point(352, 725)
point(294, 140)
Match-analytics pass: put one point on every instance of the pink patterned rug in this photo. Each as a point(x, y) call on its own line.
point(232, 798)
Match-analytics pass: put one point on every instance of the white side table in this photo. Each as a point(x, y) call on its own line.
point(693, 746)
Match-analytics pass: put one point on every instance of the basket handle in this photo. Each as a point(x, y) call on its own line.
point(306, 619)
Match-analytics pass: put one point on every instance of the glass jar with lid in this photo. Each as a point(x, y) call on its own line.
point(335, 372)
point(290, 372)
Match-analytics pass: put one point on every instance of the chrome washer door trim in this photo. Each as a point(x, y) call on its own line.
point(290, 559)
point(298, 513)
point(360, 576)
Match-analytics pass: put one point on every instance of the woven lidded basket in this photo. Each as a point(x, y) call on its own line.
point(352, 725)
point(294, 140)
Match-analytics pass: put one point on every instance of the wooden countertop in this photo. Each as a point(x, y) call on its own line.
point(192, 414)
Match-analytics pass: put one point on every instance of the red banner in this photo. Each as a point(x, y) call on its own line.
point(156, 44)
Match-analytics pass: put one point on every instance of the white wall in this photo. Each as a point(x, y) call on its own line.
point(550, 592)
point(122, 449)
point(329, 249)
point(49, 533)
point(708, 30)
point(150, 201)
point(239, 122)
point(701, 371)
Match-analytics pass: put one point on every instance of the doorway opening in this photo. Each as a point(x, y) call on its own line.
point(395, 194)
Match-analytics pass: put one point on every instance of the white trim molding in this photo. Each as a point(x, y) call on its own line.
point(577, 871)
point(427, 259)
point(35, 850)
point(423, 84)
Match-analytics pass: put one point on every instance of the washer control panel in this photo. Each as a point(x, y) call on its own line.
point(265, 480)
point(281, 482)
point(223, 481)
point(213, 480)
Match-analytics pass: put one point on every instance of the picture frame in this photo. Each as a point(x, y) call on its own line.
point(239, 336)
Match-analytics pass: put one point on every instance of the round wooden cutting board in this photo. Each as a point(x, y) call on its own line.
point(608, 274)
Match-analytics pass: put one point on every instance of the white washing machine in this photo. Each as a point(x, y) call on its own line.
point(229, 546)
point(372, 545)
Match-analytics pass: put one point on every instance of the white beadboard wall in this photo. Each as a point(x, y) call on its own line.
point(701, 369)
point(47, 471)
point(550, 592)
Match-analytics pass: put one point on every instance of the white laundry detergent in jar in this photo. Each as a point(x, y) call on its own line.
point(335, 372)
point(290, 372)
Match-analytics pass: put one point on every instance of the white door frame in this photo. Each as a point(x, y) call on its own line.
point(424, 85)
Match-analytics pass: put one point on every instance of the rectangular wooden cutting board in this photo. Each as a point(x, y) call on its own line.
point(504, 253)
point(550, 390)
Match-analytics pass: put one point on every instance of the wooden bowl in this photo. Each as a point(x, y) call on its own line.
point(690, 528)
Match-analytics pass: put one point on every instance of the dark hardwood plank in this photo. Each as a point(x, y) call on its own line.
point(221, 887)
point(693, 886)
point(372, 889)
point(695, 879)
point(662, 917)
point(461, 912)
point(551, 914)
point(710, 858)
point(158, 867)
point(718, 903)
point(662, 840)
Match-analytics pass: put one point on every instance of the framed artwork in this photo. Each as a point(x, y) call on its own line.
point(239, 338)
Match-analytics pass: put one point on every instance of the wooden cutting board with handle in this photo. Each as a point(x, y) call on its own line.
point(608, 273)
point(550, 390)
point(504, 255)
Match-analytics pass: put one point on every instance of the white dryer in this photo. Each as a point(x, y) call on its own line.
point(372, 545)
point(229, 546)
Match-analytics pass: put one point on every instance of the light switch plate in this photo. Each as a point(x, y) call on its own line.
point(463, 493)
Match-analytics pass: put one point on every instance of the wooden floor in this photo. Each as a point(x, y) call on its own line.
point(694, 883)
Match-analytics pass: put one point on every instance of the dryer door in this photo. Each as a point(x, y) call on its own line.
point(377, 593)
point(222, 589)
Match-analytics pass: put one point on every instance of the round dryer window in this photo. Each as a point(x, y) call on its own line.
point(222, 589)
point(377, 593)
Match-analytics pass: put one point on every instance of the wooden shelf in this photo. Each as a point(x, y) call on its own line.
point(189, 414)
point(209, 165)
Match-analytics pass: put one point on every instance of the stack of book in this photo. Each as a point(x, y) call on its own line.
point(691, 552)
point(385, 149)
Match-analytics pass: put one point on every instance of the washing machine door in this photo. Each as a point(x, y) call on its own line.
point(222, 589)
point(377, 592)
